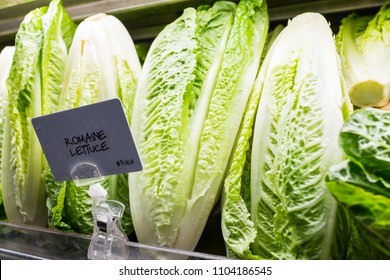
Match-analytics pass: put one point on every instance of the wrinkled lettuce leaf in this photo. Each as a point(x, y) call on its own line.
point(361, 186)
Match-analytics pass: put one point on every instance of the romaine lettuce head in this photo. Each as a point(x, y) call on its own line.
point(6, 57)
point(275, 201)
point(102, 64)
point(194, 87)
point(41, 47)
point(363, 43)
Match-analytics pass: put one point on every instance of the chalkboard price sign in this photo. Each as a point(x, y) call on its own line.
point(96, 134)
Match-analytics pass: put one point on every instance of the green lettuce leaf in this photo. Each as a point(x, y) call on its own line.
point(58, 30)
point(368, 233)
point(237, 227)
point(361, 185)
point(365, 140)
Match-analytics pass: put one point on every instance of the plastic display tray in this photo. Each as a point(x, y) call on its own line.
point(35, 243)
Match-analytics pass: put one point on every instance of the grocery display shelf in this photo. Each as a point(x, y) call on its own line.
point(37, 243)
point(145, 18)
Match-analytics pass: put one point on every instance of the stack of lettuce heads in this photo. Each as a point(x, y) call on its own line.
point(192, 93)
point(34, 84)
point(102, 64)
point(275, 201)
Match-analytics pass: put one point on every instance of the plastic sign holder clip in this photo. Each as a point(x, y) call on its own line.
point(108, 238)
